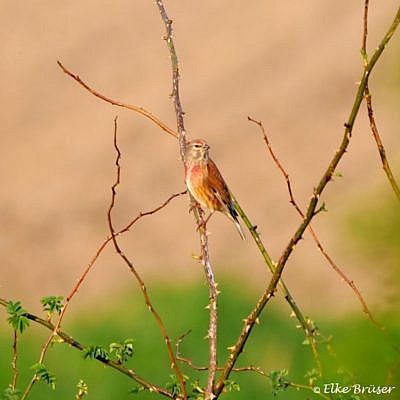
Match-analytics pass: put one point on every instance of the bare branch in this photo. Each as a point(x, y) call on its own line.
point(137, 276)
point(333, 265)
point(212, 287)
point(175, 77)
point(372, 123)
point(326, 177)
point(77, 345)
point(195, 367)
point(131, 107)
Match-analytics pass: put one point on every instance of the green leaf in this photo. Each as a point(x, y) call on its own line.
point(52, 304)
point(173, 385)
point(42, 374)
point(11, 394)
point(278, 381)
point(136, 389)
point(123, 351)
point(96, 352)
point(17, 316)
point(231, 386)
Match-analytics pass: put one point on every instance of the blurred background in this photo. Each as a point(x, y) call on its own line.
point(293, 65)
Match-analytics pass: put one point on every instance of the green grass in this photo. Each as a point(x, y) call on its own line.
point(361, 351)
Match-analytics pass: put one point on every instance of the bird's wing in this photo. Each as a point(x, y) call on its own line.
point(218, 185)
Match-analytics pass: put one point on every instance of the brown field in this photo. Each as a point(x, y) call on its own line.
point(293, 65)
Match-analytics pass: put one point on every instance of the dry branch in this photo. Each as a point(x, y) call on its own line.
point(137, 276)
point(310, 213)
point(372, 122)
point(205, 258)
point(292, 201)
point(131, 107)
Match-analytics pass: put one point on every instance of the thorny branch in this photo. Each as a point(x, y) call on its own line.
point(372, 123)
point(66, 338)
point(195, 367)
point(205, 257)
point(335, 267)
point(326, 177)
point(138, 278)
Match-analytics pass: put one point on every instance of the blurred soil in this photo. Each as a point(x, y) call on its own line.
point(293, 65)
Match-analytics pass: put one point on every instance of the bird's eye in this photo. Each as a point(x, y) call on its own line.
point(196, 146)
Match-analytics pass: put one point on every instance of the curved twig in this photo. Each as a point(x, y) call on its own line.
point(134, 271)
point(131, 107)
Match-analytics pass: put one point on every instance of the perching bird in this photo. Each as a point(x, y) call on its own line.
point(205, 182)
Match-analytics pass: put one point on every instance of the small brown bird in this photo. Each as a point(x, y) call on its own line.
point(205, 182)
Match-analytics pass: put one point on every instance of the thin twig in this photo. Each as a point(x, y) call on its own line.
point(205, 258)
point(134, 271)
point(83, 276)
point(326, 177)
point(77, 345)
point(14, 360)
point(292, 201)
point(372, 122)
point(175, 77)
point(131, 107)
point(195, 367)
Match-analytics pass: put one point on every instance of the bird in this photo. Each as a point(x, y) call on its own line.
point(206, 184)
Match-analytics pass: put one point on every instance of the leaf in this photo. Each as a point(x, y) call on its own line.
point(42, 374)
point(123, 351)
point(96, 352)
point(11, 394)
point(52, 304)
point(17, 316)
point(278, 381)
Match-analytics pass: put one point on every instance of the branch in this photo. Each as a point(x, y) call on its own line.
point(333, 265)
point(77, 345)
point(138, 278)
point(205, 258)
point(175, 77)
point(131, 107)
point(195, 367)
point(372, 123)
point(14, 361)
point(307, 326)
point(326, 177)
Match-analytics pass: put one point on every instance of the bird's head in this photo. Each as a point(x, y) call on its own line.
point(197, 150)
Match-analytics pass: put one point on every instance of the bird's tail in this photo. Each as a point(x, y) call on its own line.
point(233, 215)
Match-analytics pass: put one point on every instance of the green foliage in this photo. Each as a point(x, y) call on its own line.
point(96, 352)
point(173, 385)
point(82, 390)
point(278, 381)
point(231, 386)
point(11, 394)
point(122, 351)
point(197, 392)
point(359, 347)
point(17, 316)
point(312, 376)
point(52, 304)
point(136, 389)
point(42, 374)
